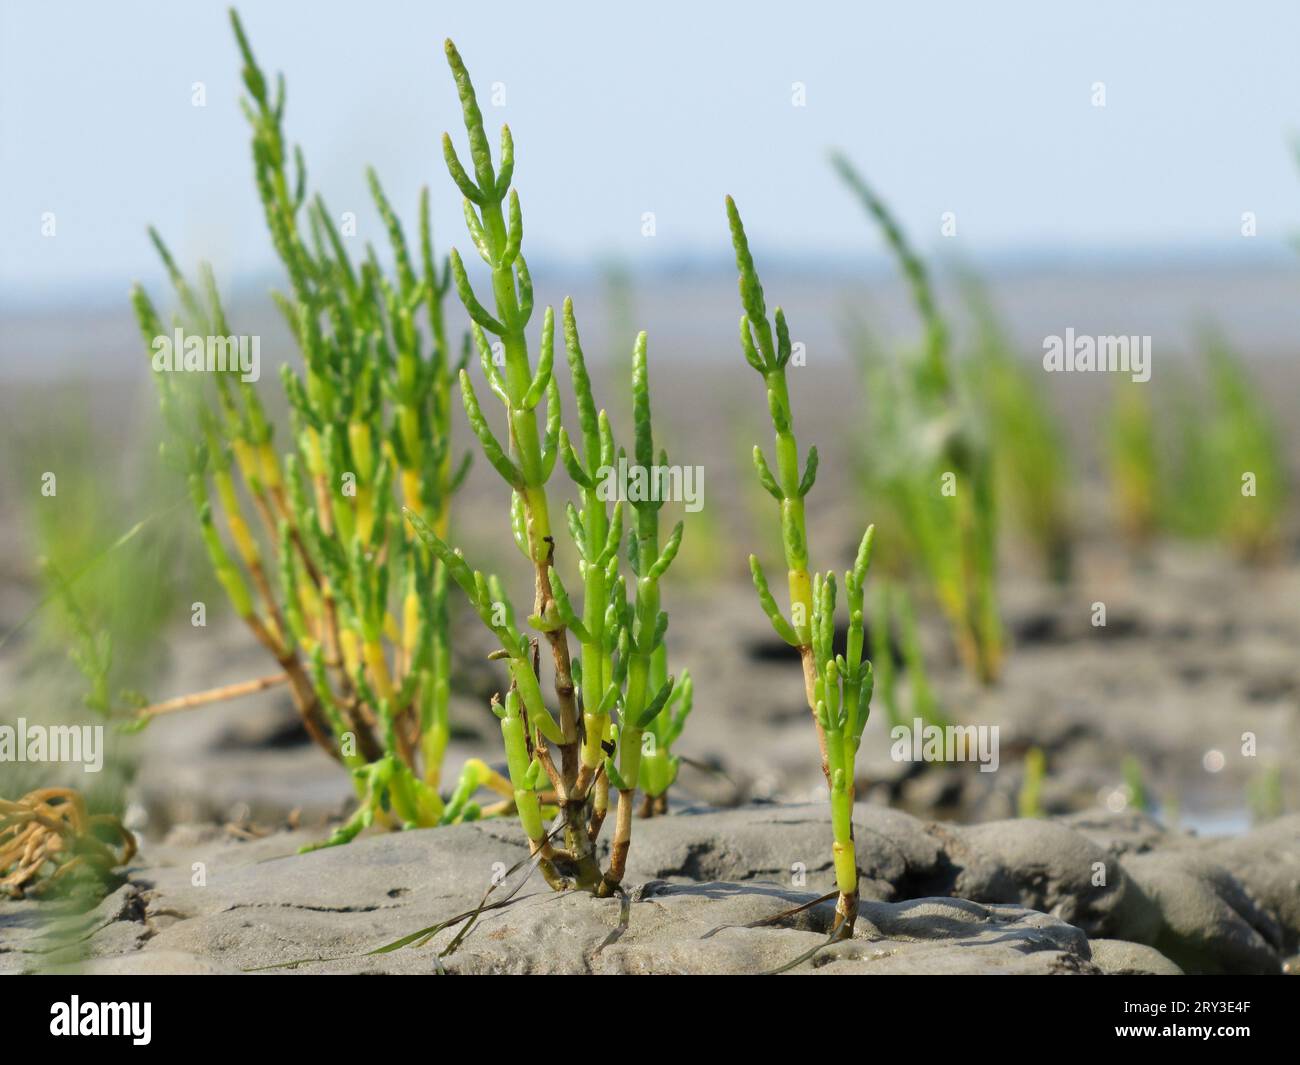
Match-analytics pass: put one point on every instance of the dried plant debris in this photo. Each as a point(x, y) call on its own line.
point(48, 839)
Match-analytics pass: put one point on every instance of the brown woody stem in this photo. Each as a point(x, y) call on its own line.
point(564, 687)
point(613, 879)
point(213, 695)
point(846, 915)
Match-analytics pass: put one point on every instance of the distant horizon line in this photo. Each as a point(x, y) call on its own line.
point(1198, 257)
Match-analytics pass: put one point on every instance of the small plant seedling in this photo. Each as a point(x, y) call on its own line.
point(1029, 801)
point(1135, 788)
point(1264, 794)
point(838, 686)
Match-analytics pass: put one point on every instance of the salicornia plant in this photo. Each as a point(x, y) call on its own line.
point(838, 686)
point(572, 757)
point(1133, 462)
point(932, 465)
point(1248, 468)
point(349, 602)
point(659, 766)
point(1029, 456)
point(1208, 468)
point(891, 603)
point(1029, 801)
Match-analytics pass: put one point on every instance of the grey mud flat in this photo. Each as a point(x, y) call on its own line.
point(1091, 894)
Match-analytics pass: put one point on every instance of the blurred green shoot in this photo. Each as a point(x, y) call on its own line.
point(1216, 472)
point(111, 581)
point(880, 418)
point(111, 575)
point(1029, 802)
point(931, 466)
point(90, 647)
point(1264, 794)
point(925, 705)
point(1135, 788)
point(1133, 458)
point(891, 608)
point(1187, 496)
point(1029, 456)
point(1249, 471)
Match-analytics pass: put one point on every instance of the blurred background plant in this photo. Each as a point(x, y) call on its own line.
point(1136, 793)
point(1264, 794)
point(1031, 467)
point(1029, 800)
point(930, 461)
point(893, 631)
point(116, 567)
point(1132, 457)
point(1245, 463)
point(1207, 464)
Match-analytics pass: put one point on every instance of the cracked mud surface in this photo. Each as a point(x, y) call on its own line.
point(1095, 893)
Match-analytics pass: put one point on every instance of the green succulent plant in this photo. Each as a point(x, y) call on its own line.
point(610, 697)
point(838, 685)
point(348, 601)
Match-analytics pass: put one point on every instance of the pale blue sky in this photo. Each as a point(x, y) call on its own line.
point(617, 109)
